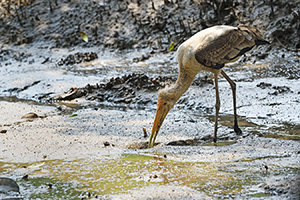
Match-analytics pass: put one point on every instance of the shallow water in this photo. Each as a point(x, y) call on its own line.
point(106, 175)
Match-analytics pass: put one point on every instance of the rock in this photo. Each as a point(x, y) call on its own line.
point(8, 185)
point(3, 131)
point(30, 116)
point(106, 144)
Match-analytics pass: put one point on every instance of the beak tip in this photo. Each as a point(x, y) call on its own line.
point(161, 113)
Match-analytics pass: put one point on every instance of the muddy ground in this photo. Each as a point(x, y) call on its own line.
point(141, 23)
point(92, 100)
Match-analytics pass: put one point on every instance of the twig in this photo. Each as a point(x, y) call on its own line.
point(295, 50)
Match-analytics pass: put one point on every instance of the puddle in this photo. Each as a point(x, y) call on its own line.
point(73, 179)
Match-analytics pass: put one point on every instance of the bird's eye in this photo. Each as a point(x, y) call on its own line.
point(165, 103)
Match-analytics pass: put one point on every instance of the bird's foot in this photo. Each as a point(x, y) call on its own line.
point(237, 130)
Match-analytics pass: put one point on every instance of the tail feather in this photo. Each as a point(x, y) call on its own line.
point(261, 42)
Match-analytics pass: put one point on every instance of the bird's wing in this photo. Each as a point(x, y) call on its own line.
point(225, 47)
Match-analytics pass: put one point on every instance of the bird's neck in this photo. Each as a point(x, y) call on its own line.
point(182, 84)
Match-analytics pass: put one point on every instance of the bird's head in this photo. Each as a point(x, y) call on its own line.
point(255, 32)
point(165, 103)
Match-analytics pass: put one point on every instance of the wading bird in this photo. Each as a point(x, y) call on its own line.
point(209, 50)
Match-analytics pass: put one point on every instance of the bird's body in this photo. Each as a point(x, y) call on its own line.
point(208, 50)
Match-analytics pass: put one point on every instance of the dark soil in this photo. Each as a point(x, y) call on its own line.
point(126, 89)
point(141, 23)
point(118, 90)
point(78, 58)
point(7, 54)
point(275, 90)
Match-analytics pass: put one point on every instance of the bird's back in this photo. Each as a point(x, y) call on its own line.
point(214, 47)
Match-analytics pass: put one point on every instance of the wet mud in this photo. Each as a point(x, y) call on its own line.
point(76, 116)
point(283, 185)
point(141, 24)
point(118, 90)
point(133, 90)
point(77, 58)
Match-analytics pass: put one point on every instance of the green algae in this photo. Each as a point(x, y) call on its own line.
point(106, 175)
point(260, 195)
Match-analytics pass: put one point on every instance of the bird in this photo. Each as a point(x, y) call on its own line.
point(210, 50)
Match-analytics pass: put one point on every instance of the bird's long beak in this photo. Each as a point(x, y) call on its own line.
point(161, 113)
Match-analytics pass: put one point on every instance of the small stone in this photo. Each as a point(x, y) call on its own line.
point(106, 144)
point(8, 185)
point(30, 116)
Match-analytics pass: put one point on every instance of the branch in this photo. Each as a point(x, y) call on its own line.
point(295, 50)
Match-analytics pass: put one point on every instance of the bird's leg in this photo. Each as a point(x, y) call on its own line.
point(236, 128)
point(217, 106)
